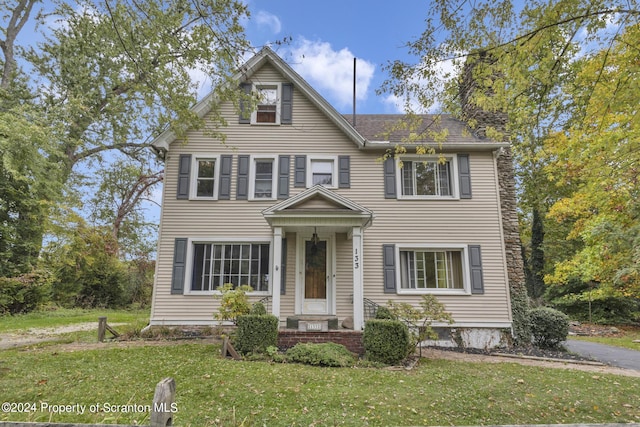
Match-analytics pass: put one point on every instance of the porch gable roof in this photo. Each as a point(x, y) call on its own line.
point(304, 207)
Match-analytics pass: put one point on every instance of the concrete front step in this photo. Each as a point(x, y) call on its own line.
point(312, 323)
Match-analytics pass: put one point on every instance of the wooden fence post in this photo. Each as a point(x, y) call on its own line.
point(163, 403)
point(102, 328)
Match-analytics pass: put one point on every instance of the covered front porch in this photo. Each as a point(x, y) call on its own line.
point(318, 257)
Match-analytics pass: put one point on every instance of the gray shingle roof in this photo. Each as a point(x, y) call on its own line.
point(395, 128)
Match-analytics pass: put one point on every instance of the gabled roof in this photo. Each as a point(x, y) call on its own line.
point(335, 200)
point(267, 55)
point(316, 203)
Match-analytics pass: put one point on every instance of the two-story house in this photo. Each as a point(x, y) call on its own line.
point(298, 204)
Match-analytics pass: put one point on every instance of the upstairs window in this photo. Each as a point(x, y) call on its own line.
point(268, 109)
point(426, 179)
point(263, 178)
point(205, 178)
point(268, 104)
point(321, 171)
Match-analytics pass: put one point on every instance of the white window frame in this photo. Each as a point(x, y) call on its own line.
point(453, 168)
point(191, 242)
point(466, 274)
point(193, 185)
point(334, 172)
point(274, 177)
point(267, 85)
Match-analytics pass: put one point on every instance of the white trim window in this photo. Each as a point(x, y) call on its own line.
point(239, 263)
point(432, 270)
point(322, 171)
point(204, 182)
point(430, 178)
point(268, 108)
point(263, 179)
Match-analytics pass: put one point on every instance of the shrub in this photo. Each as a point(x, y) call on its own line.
point(384, 313)
point(256, 333)
point(24, 293)
point(234, 302)
point(386, 341)
point(549, 327)
point(420, 320)
point(258, 309)
point(325, 354)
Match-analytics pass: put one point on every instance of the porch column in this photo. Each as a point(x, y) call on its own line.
point(276, 278)
point(358, 291)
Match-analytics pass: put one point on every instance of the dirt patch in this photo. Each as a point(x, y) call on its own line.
point(39, 335)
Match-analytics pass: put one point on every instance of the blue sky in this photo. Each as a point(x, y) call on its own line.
point(328, 34)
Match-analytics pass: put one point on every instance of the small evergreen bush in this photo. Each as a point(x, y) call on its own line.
point(325, 354)
point(549, 327)
point(256, 333)
point(384, 313)
point(386, 341)
point(258, 309)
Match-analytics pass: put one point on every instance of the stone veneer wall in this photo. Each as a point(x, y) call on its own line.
point(513, 246)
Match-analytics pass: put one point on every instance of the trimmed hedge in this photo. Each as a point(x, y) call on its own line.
point(386, 341)
point(549, 327)
point(256, 332)
point(324, 354)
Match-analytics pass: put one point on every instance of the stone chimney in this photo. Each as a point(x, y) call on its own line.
point(480, 120)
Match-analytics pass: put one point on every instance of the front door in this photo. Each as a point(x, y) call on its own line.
point(316, 277)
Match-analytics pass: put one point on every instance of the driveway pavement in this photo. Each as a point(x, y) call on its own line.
point(614, 356)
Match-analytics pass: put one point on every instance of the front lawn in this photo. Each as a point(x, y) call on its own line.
point(212, 391)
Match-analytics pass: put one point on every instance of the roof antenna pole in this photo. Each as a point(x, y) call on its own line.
point(354, 92)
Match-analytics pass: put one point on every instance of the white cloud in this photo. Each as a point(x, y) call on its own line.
point(331, 72)
point(444, 72)
point(266, 19)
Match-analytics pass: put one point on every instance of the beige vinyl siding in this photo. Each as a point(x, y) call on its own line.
point(468, 221)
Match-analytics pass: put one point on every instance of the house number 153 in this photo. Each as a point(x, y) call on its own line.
point(356, 259)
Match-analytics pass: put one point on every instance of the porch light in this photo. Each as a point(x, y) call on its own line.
point(315, 239)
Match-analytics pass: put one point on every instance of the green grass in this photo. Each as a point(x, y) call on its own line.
point(62, 316)
point(625, 340)
point(212, 391)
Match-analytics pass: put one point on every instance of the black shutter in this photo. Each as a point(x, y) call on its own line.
point(389, 268)
point(179, 266)
point(344, 174)
point(475, 267)
point(283, 268)
point(390, 191)
point(283, 176)
point(245, 114)
point(224, 191)
point(184, 169)
point(464, 175)
point(300, 177)
point(286, 104)
point(242, 187)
